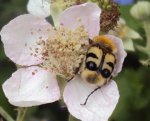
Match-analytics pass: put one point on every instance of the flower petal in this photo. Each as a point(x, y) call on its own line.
point(31, 86)
point(40, 8)
point(88, 13)
point(100, 104)
point(121, 54)
point(21, 35)
point(132, 34)
point(124, 32)
point(128, 45)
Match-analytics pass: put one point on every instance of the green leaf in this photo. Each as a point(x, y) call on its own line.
point(131, 22)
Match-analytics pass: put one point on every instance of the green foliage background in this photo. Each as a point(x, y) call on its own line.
point(133, 82)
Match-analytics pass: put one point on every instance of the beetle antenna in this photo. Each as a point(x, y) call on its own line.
point(90, 95)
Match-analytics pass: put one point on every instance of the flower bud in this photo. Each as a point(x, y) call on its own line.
point(141, 10)
point(109, 16)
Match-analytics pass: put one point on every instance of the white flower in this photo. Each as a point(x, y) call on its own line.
point(33, 85)
point(40, 8)
point(126, 33)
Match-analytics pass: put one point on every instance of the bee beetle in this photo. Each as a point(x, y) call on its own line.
point(99, 62)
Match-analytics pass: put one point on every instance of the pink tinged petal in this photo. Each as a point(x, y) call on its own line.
point(21, 34)
point(88, 13)
point(31, 86)
point(40, 8)
point(99, 106)
point(121, 54)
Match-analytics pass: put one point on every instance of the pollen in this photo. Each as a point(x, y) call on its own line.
point(65, 50)
point(106, 42)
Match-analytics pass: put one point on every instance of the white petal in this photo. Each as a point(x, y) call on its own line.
point(40, 8)
point(131, 34)
point(120, 55)
point(88, 13)
point(31, 86)
point(21, 34)
point(100, 104)
point(128, 45)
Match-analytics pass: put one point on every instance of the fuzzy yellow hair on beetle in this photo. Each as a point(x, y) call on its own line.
point(107, 42)
point(99, 63)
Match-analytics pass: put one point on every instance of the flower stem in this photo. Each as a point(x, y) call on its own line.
point(5, 115)
point(147, 30)
point(21, 114)
point(71, 118)
point(62, 83)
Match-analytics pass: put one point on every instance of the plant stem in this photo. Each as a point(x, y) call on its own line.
point(21, 114)
point(71, 118)
point(62, 83)
point(5, 115)
point(147, 30)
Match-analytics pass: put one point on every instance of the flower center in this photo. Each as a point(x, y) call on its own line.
point(65, 50)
